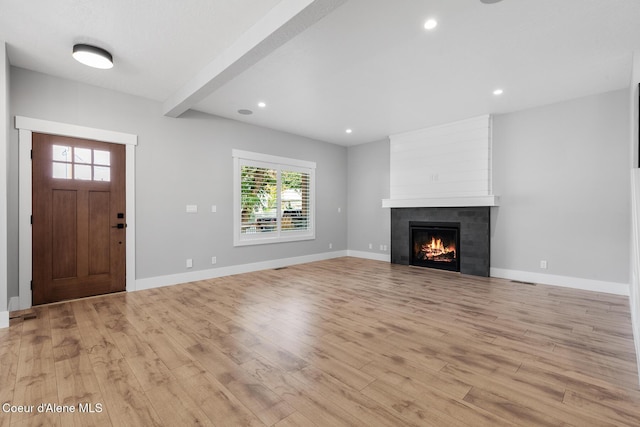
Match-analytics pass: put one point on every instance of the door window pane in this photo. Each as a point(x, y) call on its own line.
point(101, 173)
point(82, 172)
point(101, 158)
point(61, 153)
point(62, 170)
point(82, 155)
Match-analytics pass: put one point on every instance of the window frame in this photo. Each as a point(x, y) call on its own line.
point(278, 163)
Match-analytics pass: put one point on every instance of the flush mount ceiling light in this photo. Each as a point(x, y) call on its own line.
point(348, 131)
point(430, 24)
point(490, 1)
point(92, 56)
point(262, 104)
point(245, 112)
point(498, 92)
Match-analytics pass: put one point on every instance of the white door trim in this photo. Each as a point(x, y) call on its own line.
point(26, 126)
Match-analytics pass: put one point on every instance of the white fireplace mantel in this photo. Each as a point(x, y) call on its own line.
point(442, 202)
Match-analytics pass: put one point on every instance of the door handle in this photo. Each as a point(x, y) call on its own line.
point(118, 226)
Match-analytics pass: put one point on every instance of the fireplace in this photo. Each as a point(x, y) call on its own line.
point(472, 243)
point(435, 245)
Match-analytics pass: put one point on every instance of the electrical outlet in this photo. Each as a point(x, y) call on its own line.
point(543, 264)
point(192, 209)
point(381, 247)
point(214, 209)
point(370, 246)
point(385, 248)
point(213, 260)
point(330, 245)
point(189, 263)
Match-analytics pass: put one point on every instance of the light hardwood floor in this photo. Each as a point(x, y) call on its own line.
point(339, 342)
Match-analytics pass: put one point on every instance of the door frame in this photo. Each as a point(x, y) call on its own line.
point(26, 126)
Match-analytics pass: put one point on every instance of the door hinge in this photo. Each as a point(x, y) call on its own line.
point(32, 285)
point(31, 154)
point(31, 219)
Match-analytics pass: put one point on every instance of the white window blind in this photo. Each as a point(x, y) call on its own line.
point(273, 199)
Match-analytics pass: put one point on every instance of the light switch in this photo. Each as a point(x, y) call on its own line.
point(192, 208)
point(214, 208)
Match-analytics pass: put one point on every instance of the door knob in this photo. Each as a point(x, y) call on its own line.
point(118, 226)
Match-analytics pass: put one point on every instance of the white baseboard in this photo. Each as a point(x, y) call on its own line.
point(563, 281)
point(369, 255)
point(192, 276)
point(4, 319)
point(14, 304)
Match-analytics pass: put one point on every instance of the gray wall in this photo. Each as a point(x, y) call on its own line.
point(368, 184)
point(562, 172)
point(178, 162)
point(4, 164)
point(634, 288)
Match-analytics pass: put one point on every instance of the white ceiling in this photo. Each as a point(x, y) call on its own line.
point(327, 65)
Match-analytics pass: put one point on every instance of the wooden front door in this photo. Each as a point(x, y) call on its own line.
point(78, 218)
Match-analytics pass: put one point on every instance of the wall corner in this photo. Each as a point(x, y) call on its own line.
point(4, 159)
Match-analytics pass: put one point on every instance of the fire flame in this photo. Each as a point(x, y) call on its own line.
point(436, 250)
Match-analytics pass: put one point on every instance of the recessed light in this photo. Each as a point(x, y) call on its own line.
point(490, 1)
point(245, 112)
point(92, 56)
point(348, 130)
point(430, 24)
point(262, 104)
point(498, 92)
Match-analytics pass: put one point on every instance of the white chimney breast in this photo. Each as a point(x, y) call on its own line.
point(446, 165)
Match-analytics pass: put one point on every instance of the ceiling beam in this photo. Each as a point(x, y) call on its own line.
point(286, 20)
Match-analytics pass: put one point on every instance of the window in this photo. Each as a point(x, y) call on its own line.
point(273, 199)
point(81, 163)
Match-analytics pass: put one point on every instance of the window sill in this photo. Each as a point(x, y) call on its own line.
point(244, 241)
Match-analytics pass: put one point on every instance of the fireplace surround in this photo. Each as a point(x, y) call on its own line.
point(473, 249)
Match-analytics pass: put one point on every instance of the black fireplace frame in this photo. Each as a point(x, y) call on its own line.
point(448, 226)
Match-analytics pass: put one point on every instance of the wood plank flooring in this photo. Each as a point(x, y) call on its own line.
point(334, 343)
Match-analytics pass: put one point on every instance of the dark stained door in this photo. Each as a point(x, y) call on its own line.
point(78, 218)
